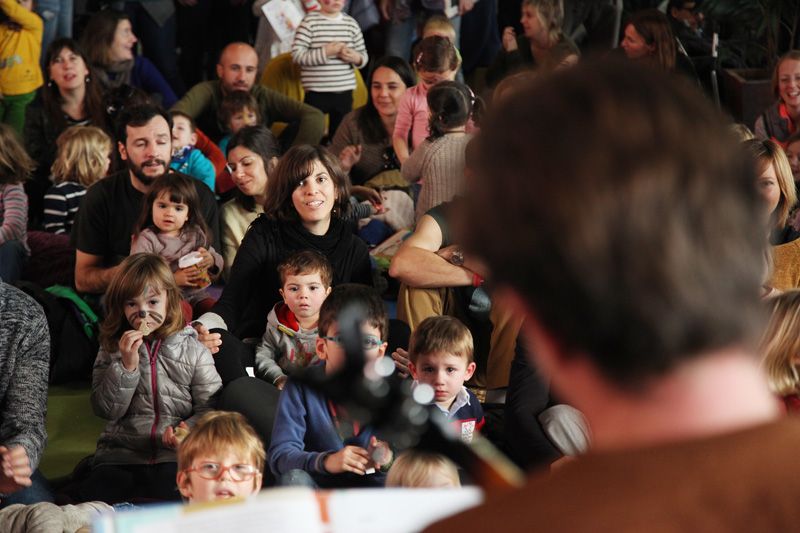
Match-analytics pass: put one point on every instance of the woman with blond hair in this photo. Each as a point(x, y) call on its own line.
point(780, 348)
point(84, 155)
point(541, 23)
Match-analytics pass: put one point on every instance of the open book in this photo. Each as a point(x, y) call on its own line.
point(301, 510)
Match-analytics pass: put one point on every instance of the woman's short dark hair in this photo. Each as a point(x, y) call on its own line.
point(369, 120)
point(295, 166)
point(257, 139)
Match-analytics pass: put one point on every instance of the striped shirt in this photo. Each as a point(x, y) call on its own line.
point(13, 213)
point(61, 203)
point(318, 72)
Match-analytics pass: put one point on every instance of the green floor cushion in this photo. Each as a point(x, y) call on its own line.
point(72, 429)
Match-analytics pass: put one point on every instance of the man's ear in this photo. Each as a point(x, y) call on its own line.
point(123, 153)
point(184, 485)
point(220, 70)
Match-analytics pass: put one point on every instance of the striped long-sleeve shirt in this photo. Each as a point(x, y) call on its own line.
point(61, 203)
point(13, 213)
point(318, 72)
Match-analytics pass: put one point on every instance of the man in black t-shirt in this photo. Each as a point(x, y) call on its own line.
point(109, 211)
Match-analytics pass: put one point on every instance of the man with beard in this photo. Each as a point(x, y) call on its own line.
point(111, 208)
point(237, 72)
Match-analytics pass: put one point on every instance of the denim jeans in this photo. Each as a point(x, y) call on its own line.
point(12, 258)
point(38, 492)
point(57, 17)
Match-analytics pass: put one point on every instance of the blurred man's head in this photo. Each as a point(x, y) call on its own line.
point(629, 229)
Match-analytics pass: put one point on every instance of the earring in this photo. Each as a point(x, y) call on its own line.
point(50, 84)
point(87, 79)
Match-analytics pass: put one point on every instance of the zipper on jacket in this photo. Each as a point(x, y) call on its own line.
point(152, 352)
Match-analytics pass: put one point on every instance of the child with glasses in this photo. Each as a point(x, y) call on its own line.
point(221, 458)
point(290, 339)
point(314, 442)
point(440, 351)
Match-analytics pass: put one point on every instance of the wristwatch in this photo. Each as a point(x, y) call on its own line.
point(457, 257)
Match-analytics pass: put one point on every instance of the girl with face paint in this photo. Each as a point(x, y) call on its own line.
point(151, 377)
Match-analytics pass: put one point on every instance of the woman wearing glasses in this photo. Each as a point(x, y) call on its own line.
point(252, 156)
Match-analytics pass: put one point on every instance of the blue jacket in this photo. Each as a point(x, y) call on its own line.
point(196, 165)
point(146, 76)
point(305, 433)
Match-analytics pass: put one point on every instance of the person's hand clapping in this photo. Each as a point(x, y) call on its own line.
point(333, 49)
point(350, 156)
point(509, 39)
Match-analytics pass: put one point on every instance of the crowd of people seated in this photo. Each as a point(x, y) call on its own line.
point(593, 268)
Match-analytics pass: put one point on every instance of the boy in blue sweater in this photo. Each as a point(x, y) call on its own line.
point(313, 440)
point(440, 351)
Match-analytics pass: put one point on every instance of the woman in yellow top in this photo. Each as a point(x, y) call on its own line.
point(20, 48)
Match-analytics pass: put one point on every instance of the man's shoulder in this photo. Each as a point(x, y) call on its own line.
point(722, 483)
point(111, 186)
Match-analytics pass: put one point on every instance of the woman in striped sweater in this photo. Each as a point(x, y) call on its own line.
point(15, 167)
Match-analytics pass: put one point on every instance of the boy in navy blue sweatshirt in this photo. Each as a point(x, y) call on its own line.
point(440, 352)
point(312, 437)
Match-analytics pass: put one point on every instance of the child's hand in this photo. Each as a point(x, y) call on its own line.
point(366, 193)
point(401, 362)
point(509, 39)
point(379, 452)
point(171, 439)
point(353, 459)
point(129, 348)
point(333, 49)
point(208, 259)
point(186, 277)
point(281, 382)
point(348, 55)
point(350, 156)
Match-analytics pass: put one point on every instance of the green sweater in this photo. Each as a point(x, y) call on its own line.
point(204, 99)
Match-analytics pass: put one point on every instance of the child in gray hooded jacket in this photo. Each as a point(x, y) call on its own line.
point(289, 341)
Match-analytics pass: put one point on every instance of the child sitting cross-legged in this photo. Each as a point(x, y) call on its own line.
point(221, 458)
point(440, 351)
point(314, 442)
point(290, 340)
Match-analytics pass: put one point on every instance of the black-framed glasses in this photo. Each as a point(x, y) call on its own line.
point(368, 342)
point(214, 471)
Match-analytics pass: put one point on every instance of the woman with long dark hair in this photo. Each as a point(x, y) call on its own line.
point(71, 97)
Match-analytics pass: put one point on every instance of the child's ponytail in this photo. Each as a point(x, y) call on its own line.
point(435, 54)
point(451, 105)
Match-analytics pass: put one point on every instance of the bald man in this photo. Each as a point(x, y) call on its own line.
point(236, 70)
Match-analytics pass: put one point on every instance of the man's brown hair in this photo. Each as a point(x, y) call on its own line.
point(645, 251)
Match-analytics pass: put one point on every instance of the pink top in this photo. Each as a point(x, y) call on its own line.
point(412, 115)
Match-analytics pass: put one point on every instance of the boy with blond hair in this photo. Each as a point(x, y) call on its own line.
point(221, 458)
point(440, 352)
point(290, 341)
